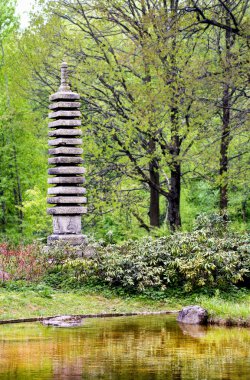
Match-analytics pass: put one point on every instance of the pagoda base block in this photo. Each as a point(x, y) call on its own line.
point(70, 239)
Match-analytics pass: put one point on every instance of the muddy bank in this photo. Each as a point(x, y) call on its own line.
point(216, 321)
point(240, 322)
point(83, 316)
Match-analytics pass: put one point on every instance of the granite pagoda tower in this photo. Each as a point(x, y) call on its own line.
point(66, 197)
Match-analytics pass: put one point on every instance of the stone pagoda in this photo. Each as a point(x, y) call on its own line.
point(67, 194)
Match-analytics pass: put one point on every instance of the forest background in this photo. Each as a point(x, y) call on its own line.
point(164, 87)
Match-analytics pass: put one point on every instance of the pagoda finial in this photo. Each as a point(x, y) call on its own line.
point(64, 87)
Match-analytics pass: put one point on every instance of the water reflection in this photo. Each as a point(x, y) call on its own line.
point(196, 331)
point(122, 349)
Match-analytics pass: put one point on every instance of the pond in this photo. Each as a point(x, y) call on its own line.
point(131, 348)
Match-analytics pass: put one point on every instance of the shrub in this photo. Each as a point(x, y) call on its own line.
point(187, 260)
point(33, 262)
point(23, 263)
point(213, 224)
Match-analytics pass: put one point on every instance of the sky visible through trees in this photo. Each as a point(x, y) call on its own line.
point(23, 9)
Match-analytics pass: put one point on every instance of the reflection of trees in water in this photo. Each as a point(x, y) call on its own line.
point(122, 349)
point(72, 370)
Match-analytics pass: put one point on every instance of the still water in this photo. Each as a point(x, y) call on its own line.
point(134, 348)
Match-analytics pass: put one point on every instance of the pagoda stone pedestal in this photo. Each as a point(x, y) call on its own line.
point(66, 171)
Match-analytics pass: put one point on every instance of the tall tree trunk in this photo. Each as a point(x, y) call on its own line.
point(174, 216)
point(154, 205)
point(225, 140)
point(154, 202)
point(225, 132)
point(174, 196)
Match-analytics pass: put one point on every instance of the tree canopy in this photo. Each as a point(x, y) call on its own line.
point(164, 87)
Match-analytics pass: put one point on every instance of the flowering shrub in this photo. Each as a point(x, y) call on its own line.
point(22, 263)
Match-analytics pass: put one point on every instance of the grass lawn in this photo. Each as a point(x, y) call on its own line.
point(27, 303)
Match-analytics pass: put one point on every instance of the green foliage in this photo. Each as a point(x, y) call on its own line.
point(36, 222)
point(191, 261)
point(198, 197)
point(214, 224)
point(22, 149)
point(23, 286)
point(209, 258)
point(186, 261)
point(129, 87)
point(8, 19)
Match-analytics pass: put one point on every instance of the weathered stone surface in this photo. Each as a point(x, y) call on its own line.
point(67, 210)
point(67, 180)
point(65, 150)
point(65, 132)
point(65, 141)
point(65, 224)
point(66, 170)
point(193, 315)
point(67, 200)
point(63, 321)
point(65, 160)
point(67, 239)
point(65, 123)
point(57, 105)
point(60, 190)
point(64, 86)
point(55, 115)
point(64, 96)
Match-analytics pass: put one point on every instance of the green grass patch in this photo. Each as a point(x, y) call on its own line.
point(29, 303)
point(25, 301)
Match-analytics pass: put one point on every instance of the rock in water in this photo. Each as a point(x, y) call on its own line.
point(63, 321)
point(193, 315)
